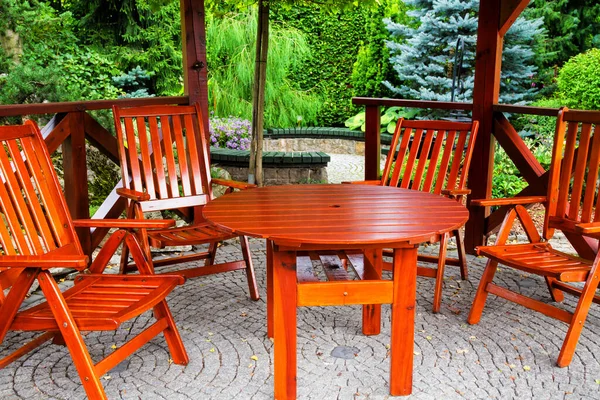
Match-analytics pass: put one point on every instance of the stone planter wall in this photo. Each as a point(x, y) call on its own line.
point(331, 146)
point(282, 175)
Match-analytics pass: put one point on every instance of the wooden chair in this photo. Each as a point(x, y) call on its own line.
point(36, 234)
point(432, 156)
point(571, 206)
point(165, 166)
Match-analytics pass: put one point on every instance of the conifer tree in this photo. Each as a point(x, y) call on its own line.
point(424, 59)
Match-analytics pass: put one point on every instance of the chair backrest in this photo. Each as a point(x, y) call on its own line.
point(34, 218)
point(573, 185)
point(164, 152)
point(430, 156)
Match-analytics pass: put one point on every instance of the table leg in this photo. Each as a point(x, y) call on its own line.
point(373, 260)
point(284, 326)
point(269, 289)
point(403, 321)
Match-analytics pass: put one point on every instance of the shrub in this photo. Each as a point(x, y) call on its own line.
point(579, 81)
point(230, 133)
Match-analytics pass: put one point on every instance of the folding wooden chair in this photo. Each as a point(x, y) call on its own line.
point(165, 166)
point(432, 156)
point(571, 206)
point(37, 233)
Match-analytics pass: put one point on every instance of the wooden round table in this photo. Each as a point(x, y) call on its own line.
point(369, 218)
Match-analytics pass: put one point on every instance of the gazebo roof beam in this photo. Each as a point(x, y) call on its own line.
point(509, 12)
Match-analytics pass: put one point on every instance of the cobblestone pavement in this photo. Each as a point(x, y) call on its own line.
point(511, 353)
point(347, 167)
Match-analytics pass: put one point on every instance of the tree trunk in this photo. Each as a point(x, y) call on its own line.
point(255, 172)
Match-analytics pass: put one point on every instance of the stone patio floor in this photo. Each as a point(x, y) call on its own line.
point(510, 354)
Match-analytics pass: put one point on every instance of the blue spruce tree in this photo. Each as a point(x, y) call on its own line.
point(423, 57)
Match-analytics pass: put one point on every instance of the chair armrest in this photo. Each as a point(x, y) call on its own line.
point(456, 192)
point(374, 183)
point(45, 261)
point(124, 223)
point(233, 184)
point(588, 228)
point(133, 194)
point(512, 201)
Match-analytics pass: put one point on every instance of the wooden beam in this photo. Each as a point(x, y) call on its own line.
point(488, 60)
point(12, 110)
point(56, 131)
point(193, 36)
point(101, 138)
point(516, 149)
point(372, 142)
point(510, 11)
point(437, 105)
point(75, 176)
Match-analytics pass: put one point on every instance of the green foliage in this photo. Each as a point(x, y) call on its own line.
point(537, 126)
point(372, 65)
point(334, 39)
point(423, 57)
point(579, 81)
point(573, 27)
point(230, 46)
point(145, 33)
point(388, 119)
point(134, 83)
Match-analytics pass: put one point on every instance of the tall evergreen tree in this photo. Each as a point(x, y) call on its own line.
point(424, 59)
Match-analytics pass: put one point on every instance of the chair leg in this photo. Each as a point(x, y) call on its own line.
point(212, 251)
point(123, 269)
point(579, 316)
point(482, 293)
point(462, 255)
point(556, 294)
point(172, 336)
point(403, 321)
point(252, 287)
point(284, 307)
point(372, 312)
point(73, 339)
point(270, 291)
point(439, 278)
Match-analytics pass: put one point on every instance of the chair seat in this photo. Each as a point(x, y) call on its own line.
point(102, 302)
point(540, 259)
point(199, 233)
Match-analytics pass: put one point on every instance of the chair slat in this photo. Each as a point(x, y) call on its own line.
point(435, 154)
point(398, 158)
point(388, 165)
point(443, 170)
point(165, 124)
point(580, 166)
point(191, 136)
point(157, 156)
point(423, 158)
point(132, 152)
point(52, 200)
point(410, 161)
point(144, 151)
point(182, 154)
point(457, 161)
point(592, 178)
point(32, 200)
point(566, 168)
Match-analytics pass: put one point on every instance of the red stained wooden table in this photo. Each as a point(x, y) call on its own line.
point(338, 217)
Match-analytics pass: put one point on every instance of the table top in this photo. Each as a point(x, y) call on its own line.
point(336, 214)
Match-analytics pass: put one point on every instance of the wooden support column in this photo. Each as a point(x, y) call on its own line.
point(75, 176)
point(488, 62)
point(193, 37)
point(372, 142)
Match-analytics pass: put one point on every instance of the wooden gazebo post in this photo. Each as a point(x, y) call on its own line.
point(193, 38)
point(495, 18)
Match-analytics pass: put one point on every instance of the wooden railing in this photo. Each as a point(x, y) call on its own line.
point(507, 137)
point(70, 127)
